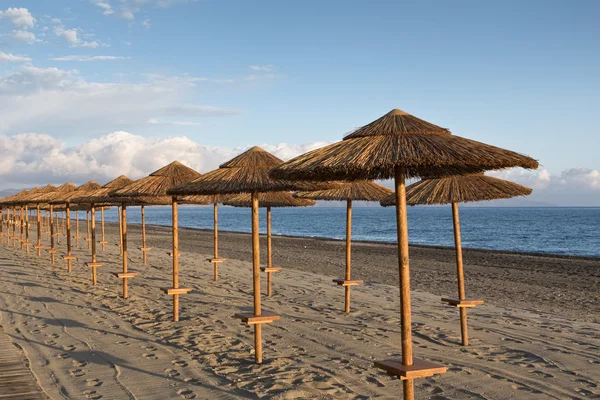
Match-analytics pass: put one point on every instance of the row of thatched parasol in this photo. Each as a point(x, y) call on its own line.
point(396, 146)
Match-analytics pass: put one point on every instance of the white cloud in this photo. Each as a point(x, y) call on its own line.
point(262, 68)
point(154, 121)
point(37, 159)
point(20, 17)
point(146, 23)
point(8, 57)
point(72, 37)
point(127, 9)
point(24, 36)
point(60, 101)
point(89, 58)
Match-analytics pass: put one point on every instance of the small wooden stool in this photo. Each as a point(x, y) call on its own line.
point(69, 259)
point(93, 266)
point(461, 303)
point(170, 253)
point(269, 271)
point(343, 282)
point(175, 292)
point(419, 368)
point(216, 261)
point(264, 318)
point(52, 252)
point(144, 251)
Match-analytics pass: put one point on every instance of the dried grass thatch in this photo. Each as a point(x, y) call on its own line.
point(459, 189)
point(65, 197)
point(160, 181)
point(49, 196)
point(357, 190)
point(271, 199)
point(395, 140)
point(15, 198)
point(99, 195)
point(27, 199)
point(246, 173)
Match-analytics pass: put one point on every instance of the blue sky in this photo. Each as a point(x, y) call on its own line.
point(517, 74)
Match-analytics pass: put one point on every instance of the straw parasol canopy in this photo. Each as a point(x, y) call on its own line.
point(400, 146)
point(58, 192)
point(270, 199)
point(459, 189)
point(246, 173)
point(157, 183)
point(454, 190)
point(32, 194)
point(66, 197)
point(348, 191)
point(10, 200)
point(399, 139)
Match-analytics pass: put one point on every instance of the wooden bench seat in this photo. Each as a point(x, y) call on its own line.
point(173, 291)
point(251, 319)
point(216, 260)
point(419, 368)
point(67, 257)
point(145, 248)
point(125, 274)
point(270, 269)
point(461, 303)
point(343, 282)
point(93, 264)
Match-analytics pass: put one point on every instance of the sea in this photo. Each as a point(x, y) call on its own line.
point(554, 230)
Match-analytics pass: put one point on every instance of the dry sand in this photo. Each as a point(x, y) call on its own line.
point(537, 336)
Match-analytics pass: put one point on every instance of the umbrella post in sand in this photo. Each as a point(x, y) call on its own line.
point(39, 232)
point(77, 229)
point(1, 225)
point(87, 224)
point(102, 240)
point(27, 243)
point(52, 250)
point(269, 269)
point(21, 227)
point(216, 259)
point(57, 227)
point(120, 244)
point(14, 226)
point(125, 275)
point(144, 249)
point(175, 291)
point(92, 231)
point(69, 256)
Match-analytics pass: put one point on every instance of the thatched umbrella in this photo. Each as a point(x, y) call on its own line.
point(47, 198)
point(246, 173)
point(26, 201)
point(65, 199)
point(153, 189)
point(268, 201)
point(454, 190)
point(399, 145)
point(12, 220)
point(359, 190)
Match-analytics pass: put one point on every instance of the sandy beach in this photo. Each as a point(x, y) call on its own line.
point(537, 336)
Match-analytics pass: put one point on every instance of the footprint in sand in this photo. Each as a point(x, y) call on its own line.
point(123, 343)
point(172, 372)
point(69, 347)
point(79, 363)
point(76, 372)
point(92, 394)
point(94, 382)
point(179, 363)
point(64, 356)
point(186, 394)
point(151, 356)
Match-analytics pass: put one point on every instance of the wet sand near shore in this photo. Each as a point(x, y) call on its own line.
point(537, 336)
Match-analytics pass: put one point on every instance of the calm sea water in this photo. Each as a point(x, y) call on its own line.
point(574, 231)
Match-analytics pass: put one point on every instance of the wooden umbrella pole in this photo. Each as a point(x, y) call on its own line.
point(256, 278)
point(404, 267)
point(269, 252)
point(57, 228)
point(22, 223)
point(348, 252)
point(1, 225)
point(143, 235)
point(27, 229)
point(175, 223)
point(52, 250)
point(124, 222)
point(120, 231)
point(460, 275)
point(39, 232)
point(14, 227)
point(87, 221)
point(216, 239)
point(92, 242)
point(102, 242)
point(77, 229)
point(69, 250)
